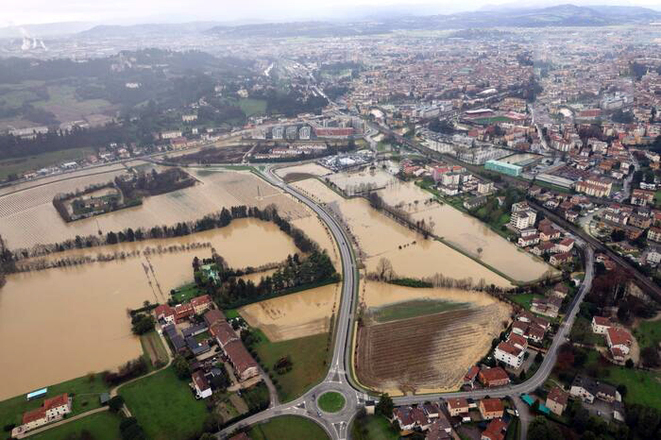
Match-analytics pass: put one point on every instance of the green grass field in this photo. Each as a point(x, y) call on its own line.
point(251, 106)
point(149, 340)
point(643, 387)
point(287, 428)
point(582, 332)
point(308, 356)
point(648, 333)
point(331, 402)
point(165, 406)
point(412, 309)
point(524, 300)
point(378, 428)
point(186, 292)
point(101, 426)
point(85, 397)
point(20, 165)
point(66, 107)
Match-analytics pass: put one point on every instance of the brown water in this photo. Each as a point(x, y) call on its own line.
point(59, 324)
point(294, 316)
point(467, 233)
point(410, 255)
point(28, 218)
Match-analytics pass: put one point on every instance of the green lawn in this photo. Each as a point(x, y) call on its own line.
point(287, 428)
point(411, 309)
point(165, 406)
point(643, 387)
point(582, 332)
point(251, 106)
point(308, 356)
point(657, 199)
point(20, 165)
point(85, 397)
point(378, 428)
point(186, 293)
point(331, 402)
point(231, 313)
point(149, 340)
point(524, 300)
point(648, 333)
point(101, 426)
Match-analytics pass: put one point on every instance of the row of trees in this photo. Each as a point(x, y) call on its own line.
point(212, 221)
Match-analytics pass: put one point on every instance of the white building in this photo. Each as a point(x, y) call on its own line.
point(509, 354)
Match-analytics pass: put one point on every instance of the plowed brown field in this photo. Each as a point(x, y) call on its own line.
point(427, 353)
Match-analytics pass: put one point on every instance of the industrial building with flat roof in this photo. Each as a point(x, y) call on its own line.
point(503, 167)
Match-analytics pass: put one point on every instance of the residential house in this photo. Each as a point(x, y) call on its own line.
point(469, 377)
point(560, 259)
point(600, 324)
point(243, 363)
point(588, 389)
point(654, 234)
point(213, 316)
point(495, 430)
point(223, 332)
point(51, 410)
point(546, 306)
point(556, 400)
point(201, 304)
point(164, 314)
point(560, 290)
point(493, 377)
point(509, 354)
point(565, 245)
point(457, 407)
point(642, 197)
point(491, 408)
point(619, 342)
point(201, 385)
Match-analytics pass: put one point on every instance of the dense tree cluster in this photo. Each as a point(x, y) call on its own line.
point(142, 323)
point(230, 291)
point(128, 371)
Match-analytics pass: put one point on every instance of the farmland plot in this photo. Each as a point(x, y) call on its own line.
point(429, 353)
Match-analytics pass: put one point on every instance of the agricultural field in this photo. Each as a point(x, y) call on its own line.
point(287, 428)
point(295, 315)
point(409, 253)
point(165, 406)
point(64, 104)
point(22, 164)
point(414, 351)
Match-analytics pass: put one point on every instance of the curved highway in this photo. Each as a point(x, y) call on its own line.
point(339, 377)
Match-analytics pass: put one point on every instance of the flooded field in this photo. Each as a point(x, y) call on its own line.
point(381, 237)
point(28, 217)
point(75, 318)
point(294, 316)
point(359, 181)
point(308, 168)
point(467, 233)
point(428, 353)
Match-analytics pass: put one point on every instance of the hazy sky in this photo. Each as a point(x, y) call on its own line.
point(18, 12)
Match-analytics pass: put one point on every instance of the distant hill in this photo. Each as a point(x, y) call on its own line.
point(105, 31)
point(559, 16)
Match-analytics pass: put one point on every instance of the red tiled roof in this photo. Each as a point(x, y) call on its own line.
point(492, 405)
point(602, 321)
point(457, 402)
point(619, 336)
point(239, 356)
point(223, 332)
point(559, 396)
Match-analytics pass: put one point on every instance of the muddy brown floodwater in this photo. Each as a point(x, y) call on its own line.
point(296, 315)
point(59, 324)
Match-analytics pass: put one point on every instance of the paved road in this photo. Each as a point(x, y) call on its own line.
point(339, 377)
